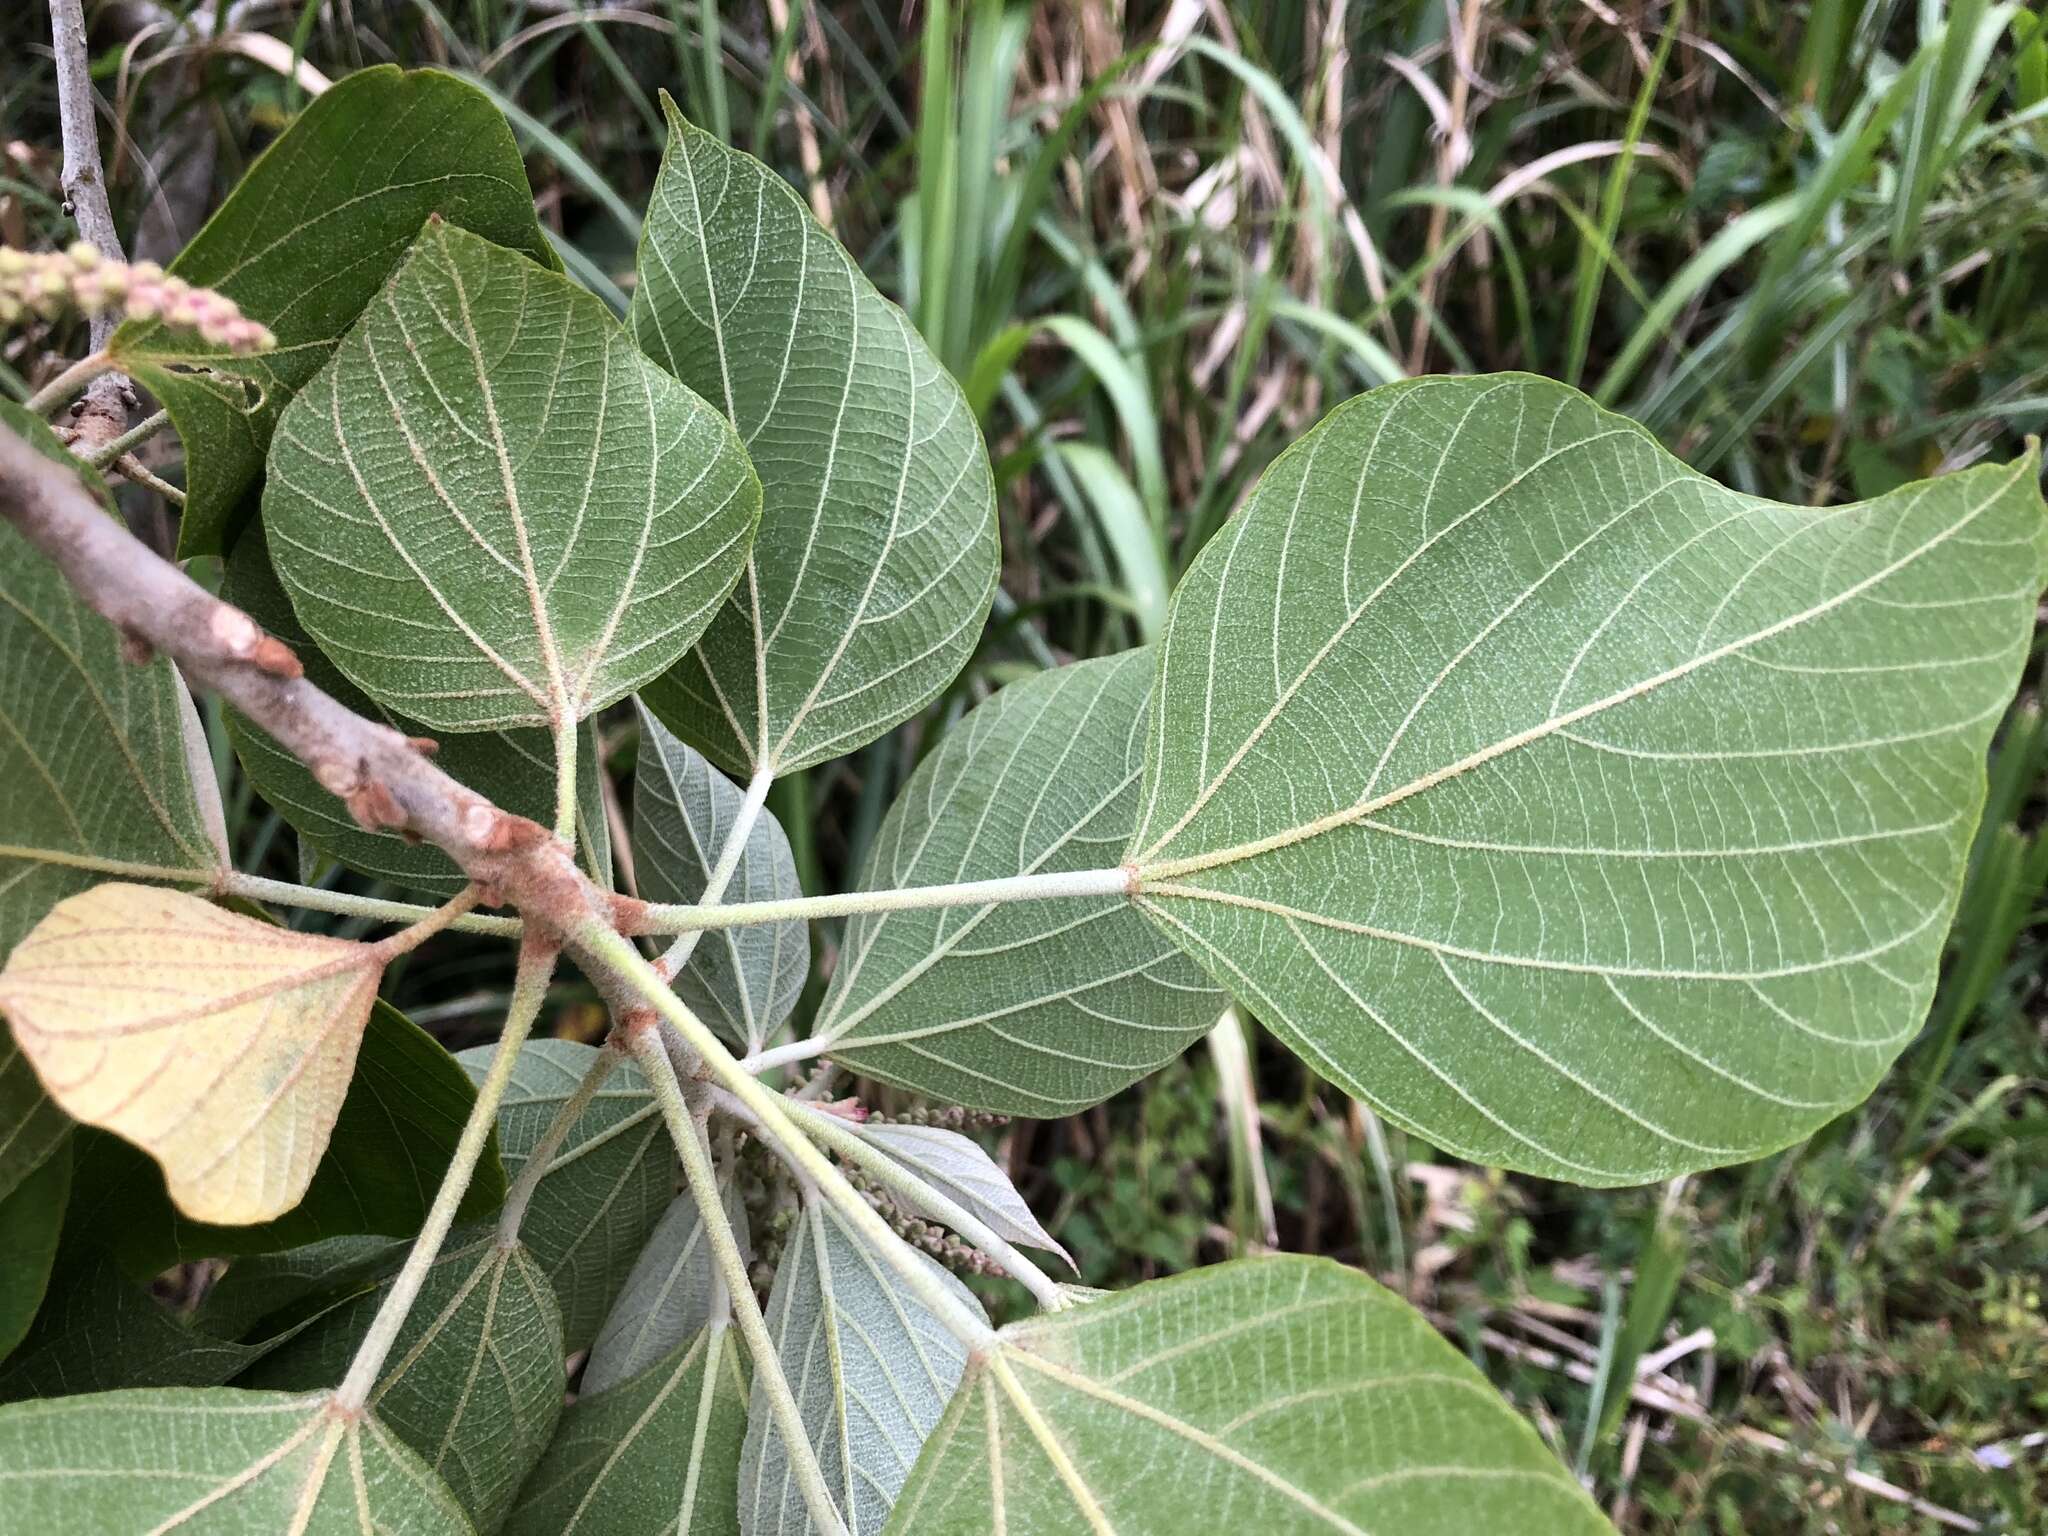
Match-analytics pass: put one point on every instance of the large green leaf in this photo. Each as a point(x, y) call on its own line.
point(1576, 812)
point(406, 1105)
point(31, 1124)
point(213, 1462)
point(514, 770)
point(97, 753)
point(474, 1382)
point(31, 1219)
point(871, 1369)
point(656, 1456)
point(608, 1185)
point(1281, 1394)
point(671, 1293)
point(741, 981)
point(877, 556)
point(489, 509)
point(1033, 1007)
point(304, 241)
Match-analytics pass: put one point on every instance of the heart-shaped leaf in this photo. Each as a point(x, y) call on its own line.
point(96, 750)
point(592, 1212)
point(1281, 1394)
point(741, 981)
point(514, 770)
point(474, 1382)
point(489, 509)
point(220, 1045)
point(1030, 1007)
point(304, 241)
point(670, 1294)
point(876, 561)
point(871, 1370)
point(656, 1455)
point(213, 1462)
point(406, 1104)
point(1580, 814)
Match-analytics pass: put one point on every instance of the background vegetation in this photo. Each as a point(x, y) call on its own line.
point(1805, 243)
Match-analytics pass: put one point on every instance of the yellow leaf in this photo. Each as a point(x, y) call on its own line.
point(220, 1045)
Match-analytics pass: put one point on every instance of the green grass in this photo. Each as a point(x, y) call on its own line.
point(1804, 243)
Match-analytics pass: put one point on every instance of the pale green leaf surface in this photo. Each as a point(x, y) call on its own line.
point(1282, 1395)
point(657, 1455)
point(743, 981)
point(514, 770)
point(489, 509)
point(303, 242)
point(871, 1370)
point(669, 1295)
point(212, 1462)
point(92, 746)
point(1579, 814)
point(959, 1167)
point(593, 1210)
point(474, 1382)
point(1029, 1007)
point(877, 556)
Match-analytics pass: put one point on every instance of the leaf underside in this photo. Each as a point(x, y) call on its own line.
point(610, 1182)
point(877, 556)
point(221, 1045)
point(743, 981)
point(1581, 815)
point(489, 509)
point(212, 1462)
point(870, 1369)
point(358, 172)
point(1030, 1007)
point(670, 1294)
point(1279, 1394)
point(657, 1454)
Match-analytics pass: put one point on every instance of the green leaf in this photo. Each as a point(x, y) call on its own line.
point(474, 1382)
point(99, 1330)
point(1281, 1394)
point(657, 1455)
point(670, 1294)
point(741, 981)
point(213, 1463)
point(31, 1125)
point(593, 1210)
point(96, 749)
point(31, 1219)
point(357, 173)
point(1577, 813)
point(489, 509)
point(877, 557)
point(514, 770)
point(266, 1290)
point(960, 1168)
point(871, 1369)
point(1029, 1007)
point(391, 1144)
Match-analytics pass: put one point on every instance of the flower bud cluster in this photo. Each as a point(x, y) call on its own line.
point(48, 283)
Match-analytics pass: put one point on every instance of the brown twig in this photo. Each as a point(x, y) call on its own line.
point(102, 415)
point(384, 778)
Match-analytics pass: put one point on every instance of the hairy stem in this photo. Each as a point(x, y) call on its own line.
point(671, 964)
point(68, 383)
point(285, 894)
point(565, 780)
point(105, 453)
point(610, 949)
point(406, 940)
point(542, 1157)
point(928, 1200)
point(536, 966)
point(703, 1179)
